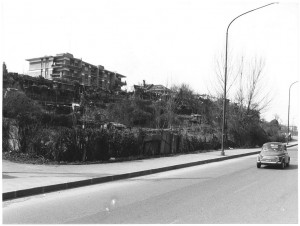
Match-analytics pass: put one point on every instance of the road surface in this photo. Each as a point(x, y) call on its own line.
point(232, 191)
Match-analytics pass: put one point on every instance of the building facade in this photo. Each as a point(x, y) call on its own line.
point(65, 66)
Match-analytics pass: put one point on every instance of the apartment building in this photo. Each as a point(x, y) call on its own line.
point(67, 67)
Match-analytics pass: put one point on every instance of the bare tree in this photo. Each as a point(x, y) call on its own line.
point(245, 81)
point(232, 75)
point(252, 93)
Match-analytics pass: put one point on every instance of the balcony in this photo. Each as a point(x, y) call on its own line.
point(55, 75)
point(74, 66)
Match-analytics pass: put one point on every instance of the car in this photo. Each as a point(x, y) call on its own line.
point(273, 153)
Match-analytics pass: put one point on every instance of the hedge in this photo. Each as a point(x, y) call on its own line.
point(99, 144)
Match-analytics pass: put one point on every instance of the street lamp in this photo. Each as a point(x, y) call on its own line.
point(289, 112)
point(225, 80)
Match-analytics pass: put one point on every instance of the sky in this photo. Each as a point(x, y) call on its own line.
point(168, 42)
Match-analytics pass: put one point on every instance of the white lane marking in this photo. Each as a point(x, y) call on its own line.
point(245, 187)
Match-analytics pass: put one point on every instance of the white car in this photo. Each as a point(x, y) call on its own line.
point(273, 153)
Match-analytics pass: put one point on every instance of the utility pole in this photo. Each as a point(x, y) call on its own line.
point(225, 79)
point(288, 133)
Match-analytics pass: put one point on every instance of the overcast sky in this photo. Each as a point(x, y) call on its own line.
point(166, 42)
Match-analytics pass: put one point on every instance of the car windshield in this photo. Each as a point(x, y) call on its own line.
point(272, 147)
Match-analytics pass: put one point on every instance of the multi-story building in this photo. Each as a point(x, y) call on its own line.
point(67, 67)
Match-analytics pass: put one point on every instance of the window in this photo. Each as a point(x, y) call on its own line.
point(273, 147)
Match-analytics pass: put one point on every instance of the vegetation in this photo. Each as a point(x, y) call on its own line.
point(34, 131)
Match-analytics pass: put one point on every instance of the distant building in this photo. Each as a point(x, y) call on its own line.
point(206, 96)
point(65, 66)
point(151, 91)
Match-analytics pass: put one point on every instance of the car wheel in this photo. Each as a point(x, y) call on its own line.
point(258, 165)
point(282, 165)
point(288, 164)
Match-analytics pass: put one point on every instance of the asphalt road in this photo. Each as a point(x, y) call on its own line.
point(233, 191)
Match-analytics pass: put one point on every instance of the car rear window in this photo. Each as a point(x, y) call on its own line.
point(272, 147)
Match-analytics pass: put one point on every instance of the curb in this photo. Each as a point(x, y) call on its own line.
point(75, 184)
point(58, 187)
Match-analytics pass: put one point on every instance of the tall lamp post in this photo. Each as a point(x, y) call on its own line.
point(289, 112)
point(225, 80)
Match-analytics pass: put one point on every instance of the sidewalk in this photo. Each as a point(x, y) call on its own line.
point(20, 180)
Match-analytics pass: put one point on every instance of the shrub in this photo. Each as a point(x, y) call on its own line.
point(27, 114)
point(98, 144)
point(129, 145)
point(59, 120)
point(5, 135)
